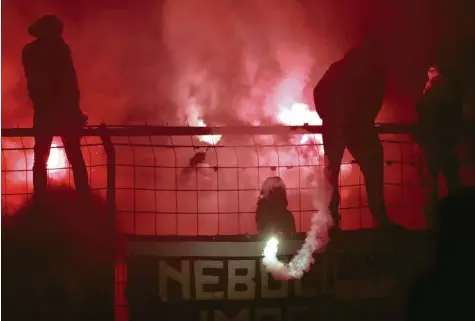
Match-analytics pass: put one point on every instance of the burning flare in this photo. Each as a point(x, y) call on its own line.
point(57, 162)
point(17, 163)
point(195, 120)
point(298, 114)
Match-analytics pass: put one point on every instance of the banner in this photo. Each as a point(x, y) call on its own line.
point(213, 281)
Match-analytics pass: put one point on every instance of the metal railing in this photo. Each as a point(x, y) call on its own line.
point(149, 184)
point(151, 188)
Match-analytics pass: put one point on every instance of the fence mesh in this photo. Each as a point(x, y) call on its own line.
point(159, 193)
point(17, 164)
point(162, 190)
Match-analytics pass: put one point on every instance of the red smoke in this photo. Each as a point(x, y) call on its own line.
point(213, 63)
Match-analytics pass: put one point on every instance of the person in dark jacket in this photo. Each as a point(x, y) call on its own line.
point(272, 215)
point(348, 98)
point(54, 92)
point(438, 132)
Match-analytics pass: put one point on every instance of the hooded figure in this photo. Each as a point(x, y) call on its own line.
point(272, 215)
point(348, 98)
point(53, 90)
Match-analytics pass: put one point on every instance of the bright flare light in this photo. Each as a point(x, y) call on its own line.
point(209, 139)
point(270, 260)
point(298, 114)
point(271, 248)
point(195, 120)
point(57, 162)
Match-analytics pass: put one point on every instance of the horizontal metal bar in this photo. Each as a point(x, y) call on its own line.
point(383, 128)
point(175, 213)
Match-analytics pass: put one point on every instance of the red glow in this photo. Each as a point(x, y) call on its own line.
point(17, 181)
point(57, 163)
point(205, 64)
point(195, 120)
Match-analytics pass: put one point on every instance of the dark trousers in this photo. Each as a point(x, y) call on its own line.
point(439, 158)
point(366, 148)
point(72, 147)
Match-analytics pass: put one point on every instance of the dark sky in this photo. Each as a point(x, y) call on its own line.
point(129, 54)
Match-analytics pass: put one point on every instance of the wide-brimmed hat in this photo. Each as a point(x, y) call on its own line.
point(46, 26)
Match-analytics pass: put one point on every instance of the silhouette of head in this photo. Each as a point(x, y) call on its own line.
point(274, 189)
point(48, 26)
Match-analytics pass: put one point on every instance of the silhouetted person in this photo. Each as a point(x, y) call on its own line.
point(54, 92)
point(348, 98)
point(272, 215)
point(439, 128)
point(58, 260)
point(445, 290)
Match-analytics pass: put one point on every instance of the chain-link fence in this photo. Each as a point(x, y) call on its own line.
point(192, 181)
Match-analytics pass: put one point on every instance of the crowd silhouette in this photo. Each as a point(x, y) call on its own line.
point(348, 98)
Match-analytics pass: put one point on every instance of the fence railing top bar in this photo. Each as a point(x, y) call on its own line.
point(383, 128)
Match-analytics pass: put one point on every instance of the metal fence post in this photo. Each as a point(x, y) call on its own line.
point(111, 209)
point(111, 168)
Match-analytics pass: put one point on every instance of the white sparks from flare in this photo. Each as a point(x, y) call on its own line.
point(298, 114)
point(271, 248)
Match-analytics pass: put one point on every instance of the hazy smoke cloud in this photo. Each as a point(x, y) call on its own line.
point(148, 63)
point(238, 61)
point(143, 63)
point(218, 62)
